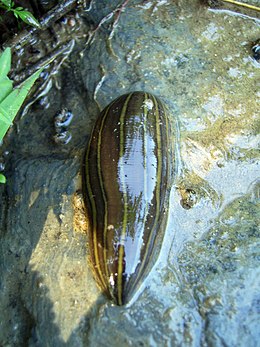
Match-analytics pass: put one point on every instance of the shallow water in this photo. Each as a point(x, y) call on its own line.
point(205, 283)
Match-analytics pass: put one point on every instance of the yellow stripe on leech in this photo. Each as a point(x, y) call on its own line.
point(94, 216)
point(125, 218)
point(168, 150)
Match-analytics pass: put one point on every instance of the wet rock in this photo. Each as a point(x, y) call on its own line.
point(205, 283)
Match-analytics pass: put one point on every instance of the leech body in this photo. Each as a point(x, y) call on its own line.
point(126, 179)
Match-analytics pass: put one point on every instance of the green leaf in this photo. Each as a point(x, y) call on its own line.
point(28, 18)
point(2, 178)
point(5, 62)
point(6, 87)
point(5, 118)
point(7, 3)
point(18, 9)
point(10, 106)
point(5, 65)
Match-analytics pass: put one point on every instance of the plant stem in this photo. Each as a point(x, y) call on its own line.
point(52, 16)
point(251, 7)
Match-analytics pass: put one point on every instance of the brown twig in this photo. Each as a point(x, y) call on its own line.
point(47, 59)
point(24, 37)
point(233, 2)
point(243, 4)
point(116, 12)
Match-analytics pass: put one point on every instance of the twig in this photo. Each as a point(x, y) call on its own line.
point(52, 16)
point(243, 4)
point(43, 89)
point(117, 11)
point(89, 6)
point(99, 85)
point(251, 7)
point(29, 70)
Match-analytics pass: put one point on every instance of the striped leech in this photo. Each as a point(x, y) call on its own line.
point(127, 173)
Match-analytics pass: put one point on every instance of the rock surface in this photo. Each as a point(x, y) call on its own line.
point(204, 290)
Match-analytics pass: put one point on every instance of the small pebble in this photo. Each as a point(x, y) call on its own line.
point(2, 164)
point(62, 138)
point(256, 50)
point(62, 119)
